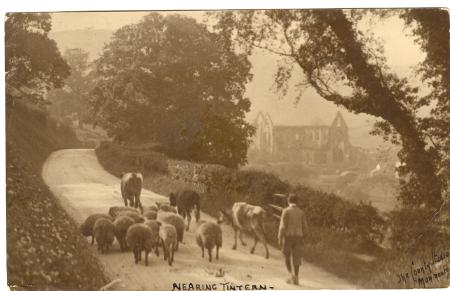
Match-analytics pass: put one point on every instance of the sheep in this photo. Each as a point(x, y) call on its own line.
point(151, 207)
point(185, 201)
point(169, 240)
point(131, 187)
point(150, 214)
point(166, 207)
point(104, 234)
point(133, 215)
point(140, 238)
point(154, 225)
point(209, 235)
point(87, 226)
point(115, 210)
point(121, 225)
point(175, 220)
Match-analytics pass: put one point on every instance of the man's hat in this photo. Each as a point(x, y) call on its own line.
point(292, 198)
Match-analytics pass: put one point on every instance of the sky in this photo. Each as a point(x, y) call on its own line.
point(401, 52)
point(104, 20)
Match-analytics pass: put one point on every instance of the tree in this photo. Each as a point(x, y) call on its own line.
point(33, 62)
point(348, 68)
point(74, 96)
point(432, 28)
point(169, 80)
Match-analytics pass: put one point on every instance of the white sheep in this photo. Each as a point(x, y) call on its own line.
point(174, 219)
point(209, 235)
point(169, 240)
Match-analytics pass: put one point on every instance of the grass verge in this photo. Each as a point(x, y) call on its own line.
point(44, 246)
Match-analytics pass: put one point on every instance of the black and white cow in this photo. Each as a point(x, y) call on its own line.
point(247, 217)
point(131, 186)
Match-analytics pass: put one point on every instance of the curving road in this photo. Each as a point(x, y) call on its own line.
point(84, 187)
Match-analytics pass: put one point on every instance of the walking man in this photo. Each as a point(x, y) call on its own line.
point(292, 231)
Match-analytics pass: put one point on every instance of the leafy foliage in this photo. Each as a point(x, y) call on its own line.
point(411, 228)
point(361, 224)
point(348, 68)
point(431, 32)
point(33, 62)
point(74, 96)
point(169, 80)
point(254, 187)
point(45, 248)
point(122, 159)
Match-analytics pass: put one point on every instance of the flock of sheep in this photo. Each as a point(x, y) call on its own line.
point(158, 225)
point(163, 223)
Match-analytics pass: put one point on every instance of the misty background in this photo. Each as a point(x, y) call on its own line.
point(91, 30)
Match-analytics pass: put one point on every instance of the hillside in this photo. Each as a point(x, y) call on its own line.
point(44, 246)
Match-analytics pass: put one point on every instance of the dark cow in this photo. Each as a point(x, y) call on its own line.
point(185, 201)
point(247, 217)
point(131, 186)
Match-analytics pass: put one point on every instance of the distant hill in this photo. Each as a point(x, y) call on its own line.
point(90, 40)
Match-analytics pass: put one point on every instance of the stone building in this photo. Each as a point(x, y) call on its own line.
point(308, 144)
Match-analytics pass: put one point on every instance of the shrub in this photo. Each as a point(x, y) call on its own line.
point(154, 147)
point(252, 186)
point(412, 227)
point(358, 225)
point(362, 222)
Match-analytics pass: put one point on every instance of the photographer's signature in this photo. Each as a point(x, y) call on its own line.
point(424, 273)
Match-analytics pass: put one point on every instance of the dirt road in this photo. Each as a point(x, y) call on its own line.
point(84, 187)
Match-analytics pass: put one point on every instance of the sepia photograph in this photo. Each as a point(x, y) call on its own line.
point(234, 149)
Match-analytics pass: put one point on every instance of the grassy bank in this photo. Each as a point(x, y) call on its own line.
point(344, 234)
point(44, 247)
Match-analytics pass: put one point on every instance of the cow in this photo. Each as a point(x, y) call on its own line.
point(185, 201)
point(131, 186)
point(249, 218)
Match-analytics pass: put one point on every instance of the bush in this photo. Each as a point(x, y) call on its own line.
point(154, 147)
point(412, 227)
point(362, 222)
point(228, 186)
point(359, 226)
point(120, 159)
